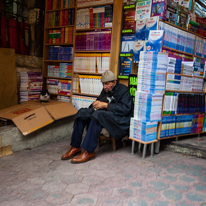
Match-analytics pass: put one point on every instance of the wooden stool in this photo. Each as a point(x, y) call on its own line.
point(145, 147)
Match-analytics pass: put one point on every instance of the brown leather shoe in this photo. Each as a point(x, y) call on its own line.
point(71, 153)
point(83, 157)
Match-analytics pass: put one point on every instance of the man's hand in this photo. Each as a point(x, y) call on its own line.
point(99, 105)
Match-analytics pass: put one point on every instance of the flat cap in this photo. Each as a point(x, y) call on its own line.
point(108, 76)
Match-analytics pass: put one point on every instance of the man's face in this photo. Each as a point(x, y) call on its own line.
point(108, 86)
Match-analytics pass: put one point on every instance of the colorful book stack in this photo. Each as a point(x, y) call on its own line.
point(82, 102)
point(187, 68)
point(57, 18)
point(53, 4)
point(144, 131)
point(53, 71)
point(85, 62)
point(94, 17)
point(69, 3)
point(63, 98)
point(52, 86)
point(182, 124)
point(198, 69)
point(181, 103)
point(60, 53)
point(64, 87)
point(93, 40)
point(182, 83)
point(90, 84)
point(65, 35)
point(174, 65)
point(30, 86)
point(204, 124)
point(65, 70)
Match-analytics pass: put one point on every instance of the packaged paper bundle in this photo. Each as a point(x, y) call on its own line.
point(144, 131)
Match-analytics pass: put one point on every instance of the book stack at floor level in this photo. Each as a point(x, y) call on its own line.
point(149, 95)
point(81, 101)
point(30, 86)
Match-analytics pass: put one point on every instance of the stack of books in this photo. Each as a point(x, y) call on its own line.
point(90, 84)
point(60, 53)
point(64, 87)
point(91, 63)
point(85, 3)
point(57, 18)
point(93, 40)
point(187, 68)
point(144, 131)
point(94, 17)
point(51, 4)
point(65, 35)
point(53, 70)
point(198, 69)
point(30, 85)
point(82, 101)
point(63, 98)
point(69, 3)
point(181, 103)
point(181, 124)
point(76, 83)
point(52, 86)
point(174, 65)
point(63, 70)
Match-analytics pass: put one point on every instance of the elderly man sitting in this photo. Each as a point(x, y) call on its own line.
point(111, 110)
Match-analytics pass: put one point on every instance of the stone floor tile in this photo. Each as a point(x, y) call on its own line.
point(105, 173)
point(100, 190)
point(84, 200)
point(33, 195)
point(13, 203)
point(114, 182)
point(70, 179)
point(53, 187)
point(77, 188)
point(92, 180)
point(87, 172)
point(58, 198)
point(137, 201)
point(110, 201)
point(124, 192)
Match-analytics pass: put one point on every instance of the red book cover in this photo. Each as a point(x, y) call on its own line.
point(62, 35)
point(66, 18)
point(48, 4)
point(129, 20)
point(91, 17)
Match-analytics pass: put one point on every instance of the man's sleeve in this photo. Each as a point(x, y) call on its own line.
point(123, 106)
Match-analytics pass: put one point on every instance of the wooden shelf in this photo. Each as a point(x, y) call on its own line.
point(182, 135)
point(59, 44)
point(58, 27)
point(95, 51)
point(137, 140)
point(48, 77)
point(60, 9)
point(184, 91)
point(199, 56)
point(184, 75)
point(175, 50)
point(94, 5)
point(92, 29)
point(60, 95)
point(88, 73)
point(90, 95)
point(58, 61)
point(166, 115)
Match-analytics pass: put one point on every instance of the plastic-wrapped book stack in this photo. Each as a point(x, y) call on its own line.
point(148, 99)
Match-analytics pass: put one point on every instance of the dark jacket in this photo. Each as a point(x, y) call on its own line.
point(116, 118)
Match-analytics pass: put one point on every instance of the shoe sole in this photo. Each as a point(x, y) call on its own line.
point(84, 161)
point(70, 157)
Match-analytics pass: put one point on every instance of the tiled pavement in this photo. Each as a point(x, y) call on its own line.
point(38, 177)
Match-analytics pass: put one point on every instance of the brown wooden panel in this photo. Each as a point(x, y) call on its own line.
point(8, 83)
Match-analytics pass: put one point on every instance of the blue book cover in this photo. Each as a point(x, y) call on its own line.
point(128, 43)
point(140, 29)
point(151, 24)
point(125, 65)
point(138, 47)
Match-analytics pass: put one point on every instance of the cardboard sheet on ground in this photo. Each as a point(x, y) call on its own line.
point(33, 115)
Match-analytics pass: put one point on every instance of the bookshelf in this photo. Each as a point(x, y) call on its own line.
point(63, 24)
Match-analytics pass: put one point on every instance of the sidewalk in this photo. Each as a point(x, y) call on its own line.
point(38, 177)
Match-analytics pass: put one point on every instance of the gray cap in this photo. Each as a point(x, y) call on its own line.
point(108, 76)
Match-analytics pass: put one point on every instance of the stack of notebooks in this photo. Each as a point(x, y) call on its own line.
point(94, 17)
point(82, 101)
point(93, 40)
point(30, 85)
point(174, 65)
point(182, 124)
point(63, 70)
point(60, 53)
point(90, 84)
point(52, 86)
point(181, 103)
point(144, 131)
point(64, 87)
point(65, 35)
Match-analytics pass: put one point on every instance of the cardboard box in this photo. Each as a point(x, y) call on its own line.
point(33, 115)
